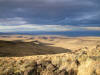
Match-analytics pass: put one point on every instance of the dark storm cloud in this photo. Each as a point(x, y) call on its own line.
point(60, 12)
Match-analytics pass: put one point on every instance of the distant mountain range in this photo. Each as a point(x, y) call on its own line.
point(1, 33)
point(65, 33)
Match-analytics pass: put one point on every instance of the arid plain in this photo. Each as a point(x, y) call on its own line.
point(49, 55)
point(72, 43)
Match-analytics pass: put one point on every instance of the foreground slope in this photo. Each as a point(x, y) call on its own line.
point(79, 63)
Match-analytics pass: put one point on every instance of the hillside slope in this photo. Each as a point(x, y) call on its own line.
point(49, 56)
point(19, 48)
point(78, 63)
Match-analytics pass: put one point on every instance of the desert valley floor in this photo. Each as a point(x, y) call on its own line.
point(49, 55)
point(72, 43)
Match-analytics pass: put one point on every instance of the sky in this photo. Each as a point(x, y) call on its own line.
point(49, 15)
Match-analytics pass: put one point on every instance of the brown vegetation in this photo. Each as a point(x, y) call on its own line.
point(78, 63)
point(38, 58)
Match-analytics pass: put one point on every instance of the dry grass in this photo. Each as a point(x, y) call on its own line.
point(57, 64)
point(84, 61)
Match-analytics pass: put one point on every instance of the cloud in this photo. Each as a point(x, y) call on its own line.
point(92, 28)
point(48, 28)
point(12, 21)
point(19, 28)
point(52, 12)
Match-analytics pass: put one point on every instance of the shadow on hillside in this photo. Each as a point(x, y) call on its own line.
point(19, 48)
